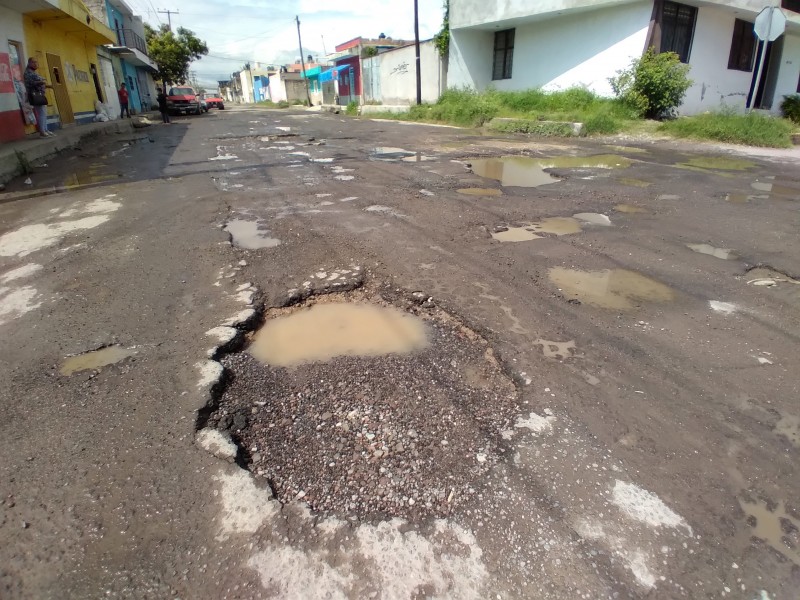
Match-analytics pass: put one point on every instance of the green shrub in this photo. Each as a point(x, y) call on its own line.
point(653, 85)
point(752, 129)
point(601, 123)
point(352, 108)
point(791, 107)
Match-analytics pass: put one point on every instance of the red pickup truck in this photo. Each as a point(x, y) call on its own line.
point(183, 101)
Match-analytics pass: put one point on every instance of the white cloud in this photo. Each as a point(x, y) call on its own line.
point(255, 31)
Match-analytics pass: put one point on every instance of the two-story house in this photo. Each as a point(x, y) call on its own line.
point(136, 66)
point(557, 44)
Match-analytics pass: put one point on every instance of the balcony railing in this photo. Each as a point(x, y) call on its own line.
point(130, 39)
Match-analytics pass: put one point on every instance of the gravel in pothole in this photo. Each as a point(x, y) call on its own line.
point(395, 435)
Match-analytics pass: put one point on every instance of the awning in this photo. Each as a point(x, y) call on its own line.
point(73, 18)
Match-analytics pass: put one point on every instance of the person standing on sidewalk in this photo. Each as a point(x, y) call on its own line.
point(35, 86)
point(162, 105)
point(123, 101)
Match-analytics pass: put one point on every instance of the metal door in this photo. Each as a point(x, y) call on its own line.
point(57, 77)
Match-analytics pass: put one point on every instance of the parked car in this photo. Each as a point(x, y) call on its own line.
point(183, 100)
point(215, 102)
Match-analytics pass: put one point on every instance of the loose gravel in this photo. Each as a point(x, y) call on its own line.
point(409, 436)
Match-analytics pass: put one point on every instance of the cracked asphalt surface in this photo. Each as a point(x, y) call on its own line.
point(654, 445)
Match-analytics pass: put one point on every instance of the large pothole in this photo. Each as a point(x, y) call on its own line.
point(406, 433)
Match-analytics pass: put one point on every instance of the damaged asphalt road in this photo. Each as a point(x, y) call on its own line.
point(604, 334)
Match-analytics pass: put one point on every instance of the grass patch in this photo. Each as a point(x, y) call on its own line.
point(752, 129)
point(271, 104)
point(467, 108)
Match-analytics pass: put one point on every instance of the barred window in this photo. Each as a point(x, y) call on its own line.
point(677, 29)
point(503, 54)
point(742, 47)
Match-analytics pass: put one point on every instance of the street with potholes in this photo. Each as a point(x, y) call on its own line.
point(291, 354)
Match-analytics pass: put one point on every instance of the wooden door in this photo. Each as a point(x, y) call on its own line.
point(57, 77)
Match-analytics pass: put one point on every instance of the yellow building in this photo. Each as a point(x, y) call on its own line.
point(63, 35)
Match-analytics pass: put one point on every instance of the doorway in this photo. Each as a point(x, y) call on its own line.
point(63, 104)
point(98, 90)
point(765, 96)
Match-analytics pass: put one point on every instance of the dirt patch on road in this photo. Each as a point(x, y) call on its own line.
point(399, 434)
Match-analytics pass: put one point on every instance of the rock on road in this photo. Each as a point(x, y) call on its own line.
point(648, 320)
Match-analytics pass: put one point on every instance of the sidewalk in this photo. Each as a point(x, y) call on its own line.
point(16, 156)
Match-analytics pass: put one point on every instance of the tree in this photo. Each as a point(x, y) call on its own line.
point(442, 39)
point(173, 53)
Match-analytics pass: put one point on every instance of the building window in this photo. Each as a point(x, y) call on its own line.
point(677, 29)
point(503, 54)
point(742, 47)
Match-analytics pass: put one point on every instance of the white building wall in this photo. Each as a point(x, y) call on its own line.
point(578, 49)
point(715, 86)
point(398, 78)
point(789, 74)
point(277, 88)
point(11, 29)
point(247, 87)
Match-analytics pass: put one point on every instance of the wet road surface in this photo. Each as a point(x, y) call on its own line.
point(630, 321)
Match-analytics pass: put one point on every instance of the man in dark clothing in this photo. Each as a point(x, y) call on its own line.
point(162, 105)
point(36, 84)
point(123, 101)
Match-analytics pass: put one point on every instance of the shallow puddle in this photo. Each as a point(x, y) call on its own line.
point(517, 171)
point(418, 157)
point(769, 527)
point(775, 190)
point(593, 219)
point(95, 360)
point(480, 192)
point(610, 288)
point(766, 277)
point(516, 234)
point(390, 153)
point(524, 171)
point(634, 182)
point(325, 331)
point(557, 226)
point(247, 235)
point(629, 208)
point(719, 163)
point(723, 253)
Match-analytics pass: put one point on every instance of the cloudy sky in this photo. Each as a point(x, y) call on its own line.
point(238, 31)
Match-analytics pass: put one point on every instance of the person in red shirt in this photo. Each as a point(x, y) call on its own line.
point(123, 101)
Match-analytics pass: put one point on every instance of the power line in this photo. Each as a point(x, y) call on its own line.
point(169, 14)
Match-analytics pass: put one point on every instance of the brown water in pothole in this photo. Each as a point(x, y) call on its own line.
point(629, 208)
point(557, 226)
point(524, 171)
point(516, 234)
point(610, 288)
point(95, 360)
point(723, 253)
point(769, 527)
point(247, 235)
point(776, 191)
point(325, 331)
point(480, 192)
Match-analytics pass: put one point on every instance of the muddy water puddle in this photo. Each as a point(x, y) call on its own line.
point(247, 235)
point(525, 171)
point(325, 331)
point(776, 528)
point(515, 234)
point(723, 253)
point(610, 288)
point(640, 183)
point(94, 360)
point(388, 153)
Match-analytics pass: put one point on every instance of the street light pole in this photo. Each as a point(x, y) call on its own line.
point(303, 60)
point(416, 41)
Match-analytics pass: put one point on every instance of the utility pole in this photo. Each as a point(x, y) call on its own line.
point(169, 14)
point(302, 59)
point(416, 42)
point(324, 51)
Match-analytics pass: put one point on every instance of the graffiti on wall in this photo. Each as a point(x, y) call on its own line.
point(400, 69)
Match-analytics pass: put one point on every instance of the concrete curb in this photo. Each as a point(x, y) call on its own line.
point(16, 158)
point(535, 127)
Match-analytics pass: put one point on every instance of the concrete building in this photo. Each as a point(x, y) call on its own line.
point(557, 44)
point(135, 66)
point(63, 35)
point(391, 78)
point(347, 64)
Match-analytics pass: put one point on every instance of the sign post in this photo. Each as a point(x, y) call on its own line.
point(768, 27)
